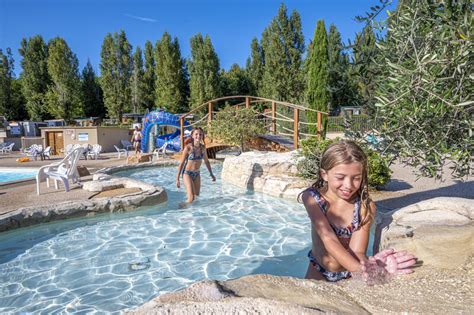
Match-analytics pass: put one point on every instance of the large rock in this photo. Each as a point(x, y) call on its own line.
point(438, 231)
point(268, 172)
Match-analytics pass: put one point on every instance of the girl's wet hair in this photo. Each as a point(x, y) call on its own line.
point(346, 152)
point(189, 140)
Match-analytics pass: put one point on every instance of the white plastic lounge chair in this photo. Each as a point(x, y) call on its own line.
point(161, 150)
point(120, 152)
point(127, 145)
point(34, 151)
point(95, 151)
point(7, 148)
point(64, 171)
point(46, 153)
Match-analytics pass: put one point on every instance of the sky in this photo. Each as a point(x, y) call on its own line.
point(231, 24)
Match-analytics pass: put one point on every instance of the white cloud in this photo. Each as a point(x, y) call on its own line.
point(141, 18)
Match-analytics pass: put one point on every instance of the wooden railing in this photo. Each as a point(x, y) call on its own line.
point(275, 117)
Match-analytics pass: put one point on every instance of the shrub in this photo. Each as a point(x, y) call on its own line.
point(310, 157)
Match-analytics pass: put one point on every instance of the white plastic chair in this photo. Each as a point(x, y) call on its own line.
point(46, 153)
point(95, 151)
point(161, 150)
point(34, 151)
point(64, 171)
point(120, 152)
point(7, 148)
point(127, 145)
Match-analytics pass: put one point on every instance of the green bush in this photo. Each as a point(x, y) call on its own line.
point(312, 150)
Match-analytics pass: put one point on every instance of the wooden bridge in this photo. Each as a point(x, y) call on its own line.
point(277, 123)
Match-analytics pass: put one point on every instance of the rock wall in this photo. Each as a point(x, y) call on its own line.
point(268, 172)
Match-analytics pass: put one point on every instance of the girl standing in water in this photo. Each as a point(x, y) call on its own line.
point(189, 167)
point(341, 214)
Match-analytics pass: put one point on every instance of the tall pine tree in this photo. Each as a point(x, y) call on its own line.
point(149, 77)
point(136, 82)
point(63, 96)
point(203, 71)
point(35, 78)
point(255, 68)
point(91, 93)
point(171, 85)
point(283, 47)
point(317, 94)
point(6, 79)
point(116, 71)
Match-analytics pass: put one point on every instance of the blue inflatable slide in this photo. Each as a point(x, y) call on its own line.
point(161, 119)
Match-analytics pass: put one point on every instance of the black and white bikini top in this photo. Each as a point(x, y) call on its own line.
point(345, 232)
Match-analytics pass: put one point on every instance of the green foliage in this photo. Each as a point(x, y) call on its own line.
point(255, 68)
point(92, 95)
point(35, 78)
point(317, 94)
point(310, 159)
point(6, 78)
point(236, 126)
point(283, 46)
point(424, 95)
point(149, 77)
point(115, 73)
point(235, 81)
point(203, 68)
point(136, 82)
point(63, 95)
point(338, 66)
point(171, 85)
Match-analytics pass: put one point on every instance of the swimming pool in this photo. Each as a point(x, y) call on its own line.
point(12, 174)
point(118, 261)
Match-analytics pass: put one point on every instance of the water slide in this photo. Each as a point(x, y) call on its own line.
point(161, 118)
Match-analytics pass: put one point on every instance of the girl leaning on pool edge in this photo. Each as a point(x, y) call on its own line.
point(341, 214)
point(193, 155)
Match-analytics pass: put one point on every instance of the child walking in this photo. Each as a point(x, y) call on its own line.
point(341, 214)
point(193, 155)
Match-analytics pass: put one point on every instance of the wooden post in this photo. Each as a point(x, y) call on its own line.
point(181, 129)
point(209, 118)
point(319, 125)
point(274, 127)
point(295, 128)
point(247, 102)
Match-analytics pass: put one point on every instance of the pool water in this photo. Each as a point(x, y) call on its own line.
point(12, 174)
point(114, 262)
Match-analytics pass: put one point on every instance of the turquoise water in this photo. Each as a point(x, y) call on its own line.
point(11, 174)
point(114, 262)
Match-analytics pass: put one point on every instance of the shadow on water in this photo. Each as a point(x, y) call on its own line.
point(294, 265)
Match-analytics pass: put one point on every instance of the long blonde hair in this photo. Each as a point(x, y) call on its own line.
point(346, 152)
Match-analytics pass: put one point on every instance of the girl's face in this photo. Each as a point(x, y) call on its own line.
point(197, 136)
point(343, 180)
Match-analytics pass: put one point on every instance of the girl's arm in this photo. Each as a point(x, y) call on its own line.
point(360, 238)
point(208, 165)
point(327, 235)
point(184, 156)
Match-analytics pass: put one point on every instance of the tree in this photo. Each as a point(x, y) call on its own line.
point(91, 93)
point(18, 108)
point(6, 78)
point(136, 83)
point(283, 47)
point(171, 85)
point(35, 78)
point(255, 67)
point(235, 81)
point(203, 71)
point(317, 94)
point(116, 70)
point(424, 95)
point(244, 122)
point(149, 77)
point(63, 95)
point(338, 81)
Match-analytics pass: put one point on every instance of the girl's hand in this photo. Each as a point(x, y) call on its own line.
point(213, 177)
point(394, 262)
point(177, 182)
